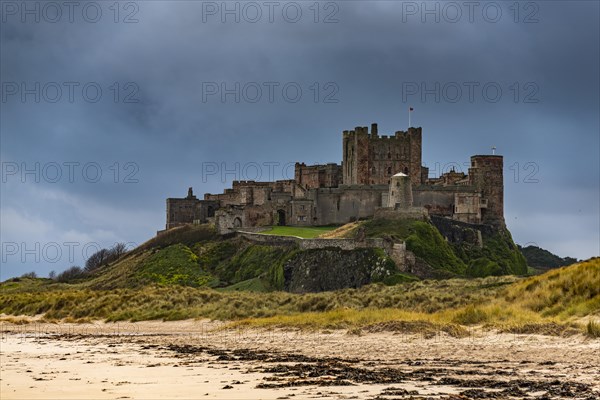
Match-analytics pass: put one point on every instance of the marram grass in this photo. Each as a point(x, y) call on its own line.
point(542, 303)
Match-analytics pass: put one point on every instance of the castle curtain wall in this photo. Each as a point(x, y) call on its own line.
point(346, 203)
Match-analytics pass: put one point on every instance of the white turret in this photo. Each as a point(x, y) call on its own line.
point(400, 192)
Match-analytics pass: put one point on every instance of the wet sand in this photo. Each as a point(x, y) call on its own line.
point(197, 359)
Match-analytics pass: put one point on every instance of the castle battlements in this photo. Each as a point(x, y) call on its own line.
point(363, 131)
point(376, 171)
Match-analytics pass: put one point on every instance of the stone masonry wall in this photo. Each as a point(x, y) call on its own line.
point(309, 244)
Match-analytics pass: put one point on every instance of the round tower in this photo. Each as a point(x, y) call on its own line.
point(400, 196)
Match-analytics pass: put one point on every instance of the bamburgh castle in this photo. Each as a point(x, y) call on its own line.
point(380, 176)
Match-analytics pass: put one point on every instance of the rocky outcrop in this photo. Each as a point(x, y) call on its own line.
point(331, 269)
point(461, 232)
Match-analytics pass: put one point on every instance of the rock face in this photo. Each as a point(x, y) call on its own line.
point(332, 269)
point(460, 232)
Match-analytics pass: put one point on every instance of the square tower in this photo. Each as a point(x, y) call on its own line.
point(485, 174)
point(370, 159)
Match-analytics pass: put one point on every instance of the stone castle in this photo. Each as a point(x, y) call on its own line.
point(380, 176)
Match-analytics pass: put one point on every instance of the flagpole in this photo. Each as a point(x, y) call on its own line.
point(409, 117)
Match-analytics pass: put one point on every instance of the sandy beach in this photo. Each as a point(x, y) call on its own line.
point(198, 359)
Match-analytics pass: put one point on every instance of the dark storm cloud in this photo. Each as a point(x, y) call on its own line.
point(367, 59)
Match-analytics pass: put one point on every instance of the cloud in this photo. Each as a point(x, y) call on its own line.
point(48, 229)
point(362, 62)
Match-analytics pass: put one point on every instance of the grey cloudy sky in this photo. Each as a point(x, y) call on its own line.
point(106, 111)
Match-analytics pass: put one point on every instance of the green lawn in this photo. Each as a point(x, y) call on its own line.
point(307, 232)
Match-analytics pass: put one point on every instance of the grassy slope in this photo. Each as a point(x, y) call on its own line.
point(565, 292)
point(174, 265)
point(422, 238)
point(499, 255)
point(163, 259)
point(546, 303)
point(188, 235)
point(153, 302)
point(194, 256)
point(212, 264)
point(299, 231)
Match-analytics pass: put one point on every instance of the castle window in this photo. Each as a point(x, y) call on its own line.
point(389, 170)
point(374, 170)
point(389, 155)
point(406, 170)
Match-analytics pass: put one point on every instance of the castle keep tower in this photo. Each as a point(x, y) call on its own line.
point(370, 159)
point(486, 176)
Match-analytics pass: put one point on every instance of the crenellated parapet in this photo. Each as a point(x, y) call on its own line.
point(370, 158)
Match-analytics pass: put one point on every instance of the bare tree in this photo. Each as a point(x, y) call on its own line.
point(119, 249)
point(96, 260)
point(105, 256)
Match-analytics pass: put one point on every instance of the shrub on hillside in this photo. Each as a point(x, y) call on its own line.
point(71, 274)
